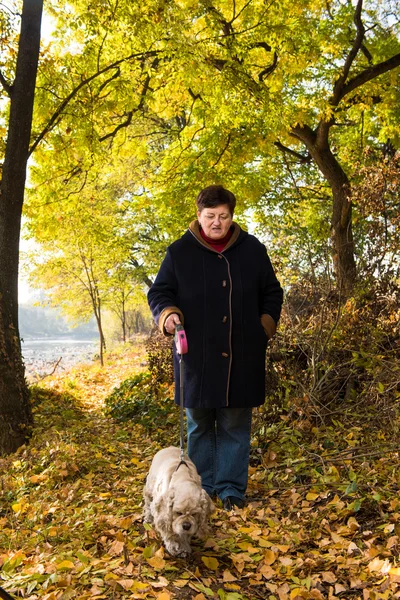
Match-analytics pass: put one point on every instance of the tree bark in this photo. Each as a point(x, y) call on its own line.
point(15, 413)
point(341, 223)
point(96, 302)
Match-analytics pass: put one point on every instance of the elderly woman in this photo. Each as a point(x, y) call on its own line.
point(218, 281)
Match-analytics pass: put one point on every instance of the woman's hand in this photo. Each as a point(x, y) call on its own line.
point(171, 322)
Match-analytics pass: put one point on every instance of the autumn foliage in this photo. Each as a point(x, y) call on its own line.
point(322, 513)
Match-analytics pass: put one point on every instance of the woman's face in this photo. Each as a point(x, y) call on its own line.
point(216, 221)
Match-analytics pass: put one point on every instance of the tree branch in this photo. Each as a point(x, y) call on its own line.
point(305, 134)
point(268, 70)
point(303, 158)
point(145, 278)
point(337, 90)
point(107, 81)
point(130, 114)
point(51, 123)
point(121, 125)
point(7, 86)
point(223, 151)
point(371, 73)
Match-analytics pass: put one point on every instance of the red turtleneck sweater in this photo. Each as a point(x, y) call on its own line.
point(218, 245)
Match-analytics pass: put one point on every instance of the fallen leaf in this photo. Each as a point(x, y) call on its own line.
point(210, 562)
point(269, 557)
point(162, 582)
point(65, 564)
point(227, 576)
point(267, 572)
point(329, 576)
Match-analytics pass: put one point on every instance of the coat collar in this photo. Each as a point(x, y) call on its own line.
point(194, 229)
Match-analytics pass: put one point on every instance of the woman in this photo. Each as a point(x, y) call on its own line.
point(218, 281)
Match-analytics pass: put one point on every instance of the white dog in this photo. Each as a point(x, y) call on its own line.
point(175, 502)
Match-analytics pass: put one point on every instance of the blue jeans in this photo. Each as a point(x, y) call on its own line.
point(219, 446)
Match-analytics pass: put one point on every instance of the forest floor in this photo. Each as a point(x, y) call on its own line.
point(321, 521)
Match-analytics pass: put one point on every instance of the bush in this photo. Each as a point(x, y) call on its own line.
point(160, 357)
point(137, 399)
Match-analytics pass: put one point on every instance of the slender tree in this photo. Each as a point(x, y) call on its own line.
point(15, 414)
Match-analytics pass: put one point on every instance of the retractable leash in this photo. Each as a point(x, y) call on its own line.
point(181, 348)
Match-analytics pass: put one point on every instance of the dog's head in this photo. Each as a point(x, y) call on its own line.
point(185, 509)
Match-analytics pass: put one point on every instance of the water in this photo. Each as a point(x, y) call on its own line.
point(41, 355)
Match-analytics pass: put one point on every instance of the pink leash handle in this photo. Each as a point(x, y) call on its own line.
point(180, 340)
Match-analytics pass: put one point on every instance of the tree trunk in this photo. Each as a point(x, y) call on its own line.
point(15, 413)
point(123, 318)
point(102, 339)
point(341, 223)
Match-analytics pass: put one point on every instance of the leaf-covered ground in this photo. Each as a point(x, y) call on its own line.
point(322, 519)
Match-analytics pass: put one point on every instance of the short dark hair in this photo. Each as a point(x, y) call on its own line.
point(215, 195)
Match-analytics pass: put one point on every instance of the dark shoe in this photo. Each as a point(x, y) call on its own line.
point(231, 502)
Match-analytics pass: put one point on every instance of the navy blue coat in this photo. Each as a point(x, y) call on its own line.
point(220, 298)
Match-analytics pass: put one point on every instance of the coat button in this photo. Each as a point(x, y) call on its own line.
point(219, 255)
point(224, 283)
point(225, 355)
point(224, 320)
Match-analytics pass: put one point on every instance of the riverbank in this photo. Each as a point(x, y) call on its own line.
point(45, 356)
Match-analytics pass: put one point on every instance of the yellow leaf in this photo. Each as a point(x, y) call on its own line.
point(157, 561)
point(394, 574)
point(17, 506)
point(181, 582)
point(247, 547)
point(232, 586)
point(269, 557)
point(126, 522)
point(263, 543)
point(298, 593)
point(65, 564)
point(210, 562)
point(140, 587)
point(164, 596)
point(311, 496)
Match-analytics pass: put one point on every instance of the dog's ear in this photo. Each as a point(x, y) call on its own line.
point(170, 500)
point(163, 509)
point(207, 507)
